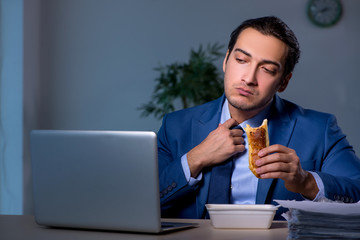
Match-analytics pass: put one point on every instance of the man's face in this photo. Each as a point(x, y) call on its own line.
point(253, 71)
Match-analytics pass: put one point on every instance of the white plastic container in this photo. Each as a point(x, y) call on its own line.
point(241, 216)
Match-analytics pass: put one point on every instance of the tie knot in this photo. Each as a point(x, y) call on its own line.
point(238, 127)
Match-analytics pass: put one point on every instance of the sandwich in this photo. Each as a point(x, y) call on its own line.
point(258, 138)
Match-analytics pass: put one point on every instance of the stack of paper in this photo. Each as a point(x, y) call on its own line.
point(322, 220)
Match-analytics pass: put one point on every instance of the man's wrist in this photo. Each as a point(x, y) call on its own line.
point(191, 181)
point(321, 194)
point(195, 165)
point(311, 188)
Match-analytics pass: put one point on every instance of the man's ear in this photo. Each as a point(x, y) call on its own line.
point(285, 83)
point(225, 60)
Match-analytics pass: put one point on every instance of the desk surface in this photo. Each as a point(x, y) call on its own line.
point(16, 227)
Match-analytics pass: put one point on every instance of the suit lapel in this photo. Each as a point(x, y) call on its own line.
point(281, 127)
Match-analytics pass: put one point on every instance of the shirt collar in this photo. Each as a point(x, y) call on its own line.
point(253, 122)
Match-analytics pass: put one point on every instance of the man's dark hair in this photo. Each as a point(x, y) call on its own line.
point(271, 26)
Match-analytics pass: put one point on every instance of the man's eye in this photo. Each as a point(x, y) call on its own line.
point(272, 72)
point(239, 60)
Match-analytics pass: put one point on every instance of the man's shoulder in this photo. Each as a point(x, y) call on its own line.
point(295, 110)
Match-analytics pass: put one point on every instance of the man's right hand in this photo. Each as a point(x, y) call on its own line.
point(217, 147)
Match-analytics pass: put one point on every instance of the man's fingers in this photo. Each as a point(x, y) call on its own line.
point(276, 148)
point(230, 123)
point(236, 132)
point(238, 140)
point(240, 148)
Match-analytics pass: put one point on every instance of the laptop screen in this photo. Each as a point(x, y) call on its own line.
point(96, 179)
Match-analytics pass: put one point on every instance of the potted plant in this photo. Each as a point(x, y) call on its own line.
point(192, 83)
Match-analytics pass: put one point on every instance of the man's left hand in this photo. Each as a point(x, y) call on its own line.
point(277, 161)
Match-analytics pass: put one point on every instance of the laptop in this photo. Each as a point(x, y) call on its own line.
point(105, 180)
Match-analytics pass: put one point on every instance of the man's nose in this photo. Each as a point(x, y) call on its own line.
point(249, 76)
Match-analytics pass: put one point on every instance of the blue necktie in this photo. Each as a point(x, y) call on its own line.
point(220, 182)
point(219, 191)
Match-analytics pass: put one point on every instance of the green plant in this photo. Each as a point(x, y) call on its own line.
point(193, 83)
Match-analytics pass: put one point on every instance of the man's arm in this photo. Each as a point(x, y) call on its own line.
point(219, 145)
point(339, 171)
point(172, 181)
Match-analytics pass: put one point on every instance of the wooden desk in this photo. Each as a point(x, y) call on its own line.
point(18, 227)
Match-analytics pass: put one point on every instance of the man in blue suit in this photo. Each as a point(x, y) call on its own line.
point(202, 150)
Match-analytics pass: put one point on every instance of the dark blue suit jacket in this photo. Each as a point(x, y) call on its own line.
point(315, 136)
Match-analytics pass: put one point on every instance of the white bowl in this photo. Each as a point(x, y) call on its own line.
point(241, 215)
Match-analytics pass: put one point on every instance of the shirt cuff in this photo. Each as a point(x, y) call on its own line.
point(186, 169)
point(320, 184)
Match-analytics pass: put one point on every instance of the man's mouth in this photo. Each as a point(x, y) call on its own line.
point(244, 91)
